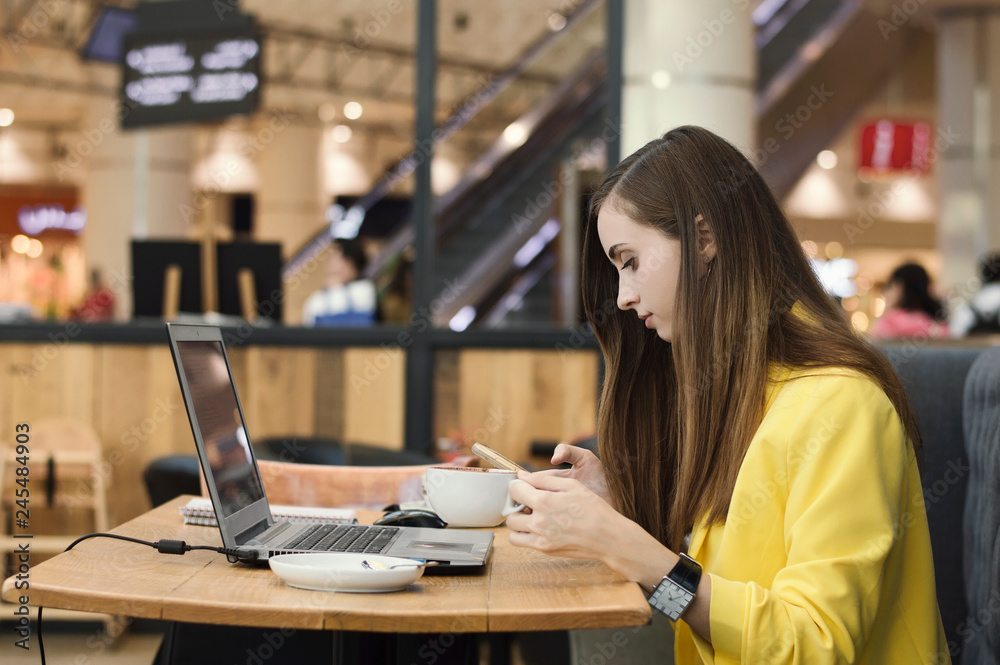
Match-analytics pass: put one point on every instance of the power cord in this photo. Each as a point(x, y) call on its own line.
point(162, 546)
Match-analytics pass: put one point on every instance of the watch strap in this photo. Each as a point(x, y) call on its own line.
point(686, 574)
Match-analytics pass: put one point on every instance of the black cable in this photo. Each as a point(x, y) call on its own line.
point(163, 546)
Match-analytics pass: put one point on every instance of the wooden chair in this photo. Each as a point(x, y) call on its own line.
point(372, 487)
point(64, 459)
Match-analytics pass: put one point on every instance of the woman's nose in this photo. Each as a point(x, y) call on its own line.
point(627, 296)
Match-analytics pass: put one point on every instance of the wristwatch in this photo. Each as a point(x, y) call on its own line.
point(676, 591)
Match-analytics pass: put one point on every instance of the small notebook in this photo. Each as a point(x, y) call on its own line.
point(199, 511)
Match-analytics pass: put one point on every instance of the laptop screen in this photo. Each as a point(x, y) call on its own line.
point(222, 429)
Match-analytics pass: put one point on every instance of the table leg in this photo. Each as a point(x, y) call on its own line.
point(437, 648)
point(500, 648)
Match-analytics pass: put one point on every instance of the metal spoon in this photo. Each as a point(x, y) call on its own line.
point(378, 565)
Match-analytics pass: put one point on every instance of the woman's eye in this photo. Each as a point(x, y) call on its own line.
point(629, 264)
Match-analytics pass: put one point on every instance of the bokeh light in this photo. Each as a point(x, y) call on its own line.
point(20, 244)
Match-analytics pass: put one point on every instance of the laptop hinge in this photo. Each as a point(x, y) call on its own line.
point(251, 532)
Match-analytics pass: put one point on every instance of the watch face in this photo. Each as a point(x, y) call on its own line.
point(671, 599)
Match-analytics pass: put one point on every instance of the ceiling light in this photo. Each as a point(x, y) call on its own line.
point(353, 110)
point(827, 159)
point(515, 134)
point(556, 21)
point(341, 133)
point(6, 117)
point(660, 79)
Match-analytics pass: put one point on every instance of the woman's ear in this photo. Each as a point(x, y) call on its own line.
point(706, 238)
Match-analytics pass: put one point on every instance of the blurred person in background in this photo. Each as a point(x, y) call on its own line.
point(982, 314)
point(98, 302)
point(396, 301)
point(347, 299)
point(910, 308)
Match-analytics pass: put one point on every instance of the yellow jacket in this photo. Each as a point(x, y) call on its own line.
point(825, 556)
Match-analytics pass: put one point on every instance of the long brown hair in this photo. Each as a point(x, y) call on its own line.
point(676, 418)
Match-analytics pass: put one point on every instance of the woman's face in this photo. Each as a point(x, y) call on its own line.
point(648, 264)
point(893, 294)
point(339, 270)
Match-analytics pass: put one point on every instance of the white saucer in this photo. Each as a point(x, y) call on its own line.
point(342, 571)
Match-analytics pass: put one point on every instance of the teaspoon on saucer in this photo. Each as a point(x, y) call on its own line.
point(378, 565)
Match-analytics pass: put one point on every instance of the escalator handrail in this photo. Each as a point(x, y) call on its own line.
point(458, 119)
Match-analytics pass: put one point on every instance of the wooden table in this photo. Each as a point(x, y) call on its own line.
point(520, 589)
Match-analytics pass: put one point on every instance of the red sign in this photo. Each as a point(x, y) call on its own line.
point(887, 145)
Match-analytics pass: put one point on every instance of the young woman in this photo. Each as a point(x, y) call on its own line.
point(910, 308)
point(744, 426)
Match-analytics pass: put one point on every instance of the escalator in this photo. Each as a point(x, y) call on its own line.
point(819, 62)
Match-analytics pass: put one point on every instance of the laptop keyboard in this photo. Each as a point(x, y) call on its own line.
point(343, 538)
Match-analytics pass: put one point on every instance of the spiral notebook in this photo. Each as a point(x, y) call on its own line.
point(199, 511)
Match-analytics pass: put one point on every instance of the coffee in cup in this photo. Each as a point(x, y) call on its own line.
point(469, 496)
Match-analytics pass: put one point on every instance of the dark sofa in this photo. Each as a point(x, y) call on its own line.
point(955, 392)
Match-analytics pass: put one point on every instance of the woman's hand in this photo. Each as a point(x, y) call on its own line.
point(566, 518)
point(586, 468)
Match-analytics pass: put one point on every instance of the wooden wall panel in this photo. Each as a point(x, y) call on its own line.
point(374, 396)
point(278, 391)
point(446, 397)
point(140, 416)
point(509, 398)
point(45, 380)
point(329, 412)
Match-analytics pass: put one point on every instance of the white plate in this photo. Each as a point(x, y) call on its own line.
point(342, 571)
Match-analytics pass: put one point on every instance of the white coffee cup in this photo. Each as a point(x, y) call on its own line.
point(469, 496)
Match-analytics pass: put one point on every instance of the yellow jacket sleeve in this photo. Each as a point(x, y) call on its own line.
point(847, 495)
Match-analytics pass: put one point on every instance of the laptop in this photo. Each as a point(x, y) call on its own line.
point(237, 493)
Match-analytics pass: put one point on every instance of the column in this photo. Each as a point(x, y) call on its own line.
point(968, 142)
point(291, 203)
point(137, 185)
point(688, 63)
